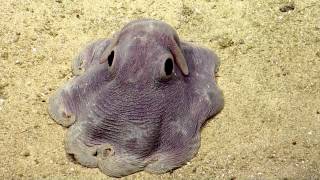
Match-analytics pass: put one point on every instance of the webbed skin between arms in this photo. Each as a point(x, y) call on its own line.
point(137, 101)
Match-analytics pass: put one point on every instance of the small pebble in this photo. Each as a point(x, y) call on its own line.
point(225, 42)
point(3, 85)
point(5, 55)
point(194, 170)
point(241, 41)
point(36, 161)
point(25, 153)
point(62, 75)
point(18, 62)
point(294, 143)
point(33, 38)
point(1, 101)
point(287, 7)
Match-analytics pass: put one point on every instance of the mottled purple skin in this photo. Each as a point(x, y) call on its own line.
point(131, 116)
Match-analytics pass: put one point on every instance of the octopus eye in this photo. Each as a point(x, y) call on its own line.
point(168, 67)
point(110, 58)
point(166, 71)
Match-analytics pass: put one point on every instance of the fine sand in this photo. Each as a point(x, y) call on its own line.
point(270, 76)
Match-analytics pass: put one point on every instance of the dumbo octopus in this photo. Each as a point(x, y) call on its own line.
point(137, 101)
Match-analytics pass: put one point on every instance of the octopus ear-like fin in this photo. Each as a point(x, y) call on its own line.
point(178, 56)
point(107, 52)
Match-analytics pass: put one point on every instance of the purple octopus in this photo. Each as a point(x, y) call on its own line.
point(138, 101)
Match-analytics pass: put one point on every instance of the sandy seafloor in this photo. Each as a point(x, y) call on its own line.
point(270, 76)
